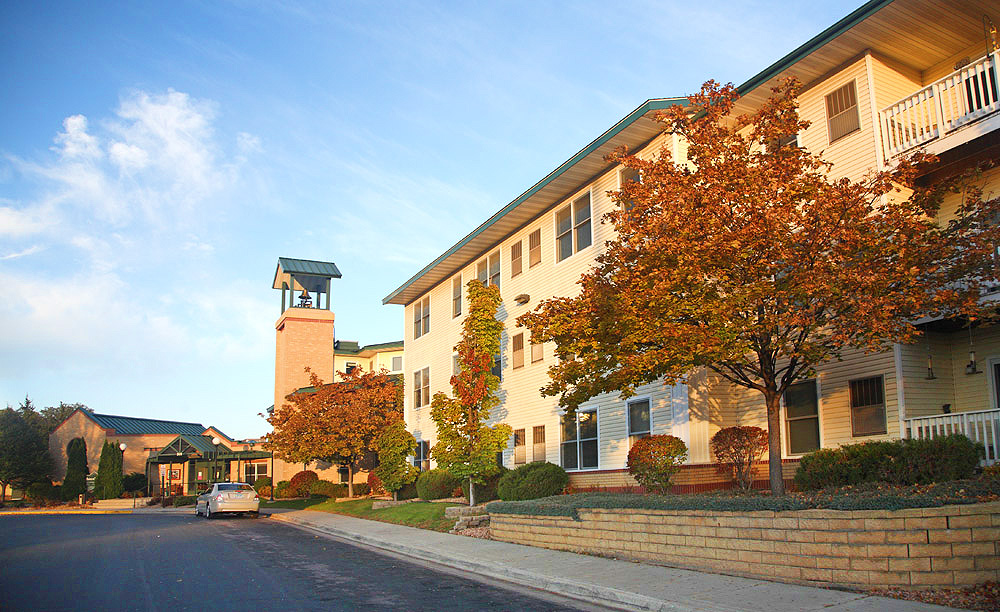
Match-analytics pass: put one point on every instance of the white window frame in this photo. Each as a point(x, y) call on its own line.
point(571, 204)
point(628, 417)
point(392, 363)
point(488, 263)
point(456, 300)
point(422, 459)
point(857, 110)
point(517, 270)
point(534, 445)
point(422, 394)
point(517, 355)
point(885, 406)
point(577, 441)
point(523, 446)
point(786, 439)
point(422, 317)
point(532, 264)
point(992, 382)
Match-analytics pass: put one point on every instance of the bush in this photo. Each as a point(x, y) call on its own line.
point(486, 491)
point(653, 461)
point(264, 492)
point(436, 484)
point(531, 481)
point(325, 488)
point(185, 500)
point(168, 501)
point(992, 471)
point(903, 462)
point(261, 482)
point(284, 490)
point(135, 482)
point(75, 482)
point(737, 449)
point(301, 482)
point(407, 491)
point(156, 500)
point(361, 489)
point(40, 493)
point(375, 484)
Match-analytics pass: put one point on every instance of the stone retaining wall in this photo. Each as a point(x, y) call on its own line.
point(918, 548)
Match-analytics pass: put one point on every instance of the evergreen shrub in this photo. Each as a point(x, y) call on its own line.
point(261, 482)
point(436, 484)
point(532, 481)
point(325, 488)
point(284, 490)
point(135, 482)
point(485, 491)
point(75, 482)
point(301, 482)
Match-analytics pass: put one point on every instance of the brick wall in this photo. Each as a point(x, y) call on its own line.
point(918, 548)
point(691, 478)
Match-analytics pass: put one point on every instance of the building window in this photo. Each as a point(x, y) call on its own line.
point(537, 354)
point(538, 443)
point(422, 317)
point(456, 296)
point(518, 351)
point(579, 440)
point(456, 369)
point(344, 473)
point(488, 269)
point(350, 367)
point(497, 369)
point(421, 387)
point(422, 455)
point(534, 248)
point(802, 417)
point(515, 259)
point(868, 406)
point(253, 471)
point(842, 112)
point(573, 227)
point(628, 175)
point(519, 454)
point(397, 364)
point(638, 420)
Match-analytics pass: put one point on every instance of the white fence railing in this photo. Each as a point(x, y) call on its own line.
point(979, 426)
point(942, 107)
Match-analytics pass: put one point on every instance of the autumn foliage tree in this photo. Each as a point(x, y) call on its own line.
point(466, 445)
point(395, 444)
point(336, 422)
point(748, 259)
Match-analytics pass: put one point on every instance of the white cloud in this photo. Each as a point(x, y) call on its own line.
point(75, 142)
point(28, 251)
point(128, 157)
point(18, 223)
point(248, 143)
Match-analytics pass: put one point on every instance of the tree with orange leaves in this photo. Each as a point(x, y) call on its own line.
point(749, 260)
point(337, 422)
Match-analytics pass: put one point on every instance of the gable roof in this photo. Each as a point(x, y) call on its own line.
point(310, 270)
point(135, 425)
point(351, 347)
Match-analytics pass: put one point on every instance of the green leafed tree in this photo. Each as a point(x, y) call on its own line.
point(109, 483)
point(466, 445)
point(395, 444)
point(75, 482)
point(24, 450)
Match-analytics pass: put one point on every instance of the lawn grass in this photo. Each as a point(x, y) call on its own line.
point(425, 515)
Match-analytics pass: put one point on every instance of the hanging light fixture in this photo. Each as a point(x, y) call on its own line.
point(930, 362)
point(971, 367)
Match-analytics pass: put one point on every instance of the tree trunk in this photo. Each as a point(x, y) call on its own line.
point(472, 492)
point(395, 495)
point(775, 476)
point(350, 480)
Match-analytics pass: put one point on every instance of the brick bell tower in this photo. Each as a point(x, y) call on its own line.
point(304, 331)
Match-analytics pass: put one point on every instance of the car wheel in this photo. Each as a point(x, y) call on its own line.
point(208, 511)
point(255, 514)
point(197, 512)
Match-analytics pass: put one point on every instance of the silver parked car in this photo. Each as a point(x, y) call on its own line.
point(233, 497)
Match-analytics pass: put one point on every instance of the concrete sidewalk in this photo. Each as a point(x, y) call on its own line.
point(618, 584)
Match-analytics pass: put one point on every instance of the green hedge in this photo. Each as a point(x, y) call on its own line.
point(436, 484)
point(862, 497)
point(486, 491)
point(185, 500)
point(901, 462)
point(532, 481)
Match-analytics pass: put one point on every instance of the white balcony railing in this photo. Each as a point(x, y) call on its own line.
point(979, 426)
point(942, 107)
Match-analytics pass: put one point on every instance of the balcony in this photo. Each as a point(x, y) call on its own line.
point(981, 426)
point(946, 113)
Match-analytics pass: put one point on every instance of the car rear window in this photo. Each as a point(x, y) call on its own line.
point(235, 487)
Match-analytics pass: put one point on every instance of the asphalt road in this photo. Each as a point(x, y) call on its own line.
point(174, 562)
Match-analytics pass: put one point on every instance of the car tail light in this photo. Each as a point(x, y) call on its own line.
point(218, 497)
point(256, 498)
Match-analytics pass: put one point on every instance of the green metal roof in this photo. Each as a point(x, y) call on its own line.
point(309, 266)
point(135, 425)
point(352, 347)
point(634, 130)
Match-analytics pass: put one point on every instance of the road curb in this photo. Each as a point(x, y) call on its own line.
point(578, 590)
point(37, 512)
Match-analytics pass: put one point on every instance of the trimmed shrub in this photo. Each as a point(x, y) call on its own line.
point(325, 488)
point(902, 462)
point(485, 491)
point(40, 493)
point(436, 484)
point(168, 501)
point(407, 491)
point(361, 489)
point(992, 471)
point(532, 481)
point(301, 482)
point(156, 500)
point(185, 500)
point(737, 449)
point(75, 482)
point(135, 482)
point(264, 492)
point(261, 482)
point(284, 490)
point(654, 460)
point(375, 484)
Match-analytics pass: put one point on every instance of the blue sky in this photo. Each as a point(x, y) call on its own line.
point(157, 159)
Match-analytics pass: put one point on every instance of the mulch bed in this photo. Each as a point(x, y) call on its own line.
point(985, 596)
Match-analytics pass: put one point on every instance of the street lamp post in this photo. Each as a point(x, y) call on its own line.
point(215, 462)
point(122, 447)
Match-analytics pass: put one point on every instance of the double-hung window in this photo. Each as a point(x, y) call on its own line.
point(579, 440)
point(638, 420)
point(534, 248)
point(422, 455)
point(538, 443)
point(456, 296)
point(397, 364)
point(515, 259)
point(488, 269)
point(802, 417)
point(421, 387)
point(518, 351)
point(519, 454)
point(573, 227)
point(868, 406)
point(422, 317)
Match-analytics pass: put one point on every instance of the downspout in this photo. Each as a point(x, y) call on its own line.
point(897, 351)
